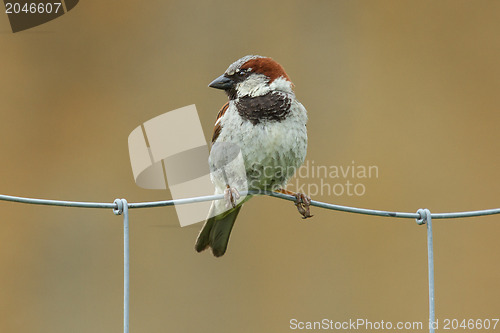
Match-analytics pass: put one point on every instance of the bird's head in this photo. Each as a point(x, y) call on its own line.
point(253, 76)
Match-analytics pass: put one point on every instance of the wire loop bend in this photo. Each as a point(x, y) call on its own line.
point(119, 206)
point(424, 215)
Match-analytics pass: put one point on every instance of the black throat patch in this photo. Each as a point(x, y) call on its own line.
point(273, 106)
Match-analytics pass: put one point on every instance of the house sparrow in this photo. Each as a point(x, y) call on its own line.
point(265, 126)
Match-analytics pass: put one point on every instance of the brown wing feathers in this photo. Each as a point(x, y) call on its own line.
point(218, 126)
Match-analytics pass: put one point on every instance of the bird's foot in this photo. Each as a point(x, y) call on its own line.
point(231, 195)
point(303, 202)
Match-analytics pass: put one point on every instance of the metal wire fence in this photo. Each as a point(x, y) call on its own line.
point(121, 207)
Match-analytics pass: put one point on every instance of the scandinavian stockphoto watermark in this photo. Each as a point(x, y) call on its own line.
point(347, 179)
point(354, 325)
point(315, 179)
point(170, 150)
point(364, 324)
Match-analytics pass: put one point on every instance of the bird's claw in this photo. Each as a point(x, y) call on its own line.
point(303, 202)
point(231, 195)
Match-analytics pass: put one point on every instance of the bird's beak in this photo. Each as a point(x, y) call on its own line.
point(222, 82)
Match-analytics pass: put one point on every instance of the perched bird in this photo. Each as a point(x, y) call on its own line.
point(265, 126)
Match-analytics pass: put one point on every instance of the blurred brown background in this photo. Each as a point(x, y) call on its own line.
point(411, 87)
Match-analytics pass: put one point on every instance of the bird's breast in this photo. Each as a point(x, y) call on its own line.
point(272, 148)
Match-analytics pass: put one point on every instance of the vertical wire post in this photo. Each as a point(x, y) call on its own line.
point(425, 217)
point(430, 255)
point(122, 207)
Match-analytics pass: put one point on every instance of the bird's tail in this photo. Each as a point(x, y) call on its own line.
point(216, 231)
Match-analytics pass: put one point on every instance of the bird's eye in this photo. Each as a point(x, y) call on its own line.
point(241, 72)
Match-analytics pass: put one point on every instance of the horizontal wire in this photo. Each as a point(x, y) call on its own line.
point(57, 202)
point(320, 204)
